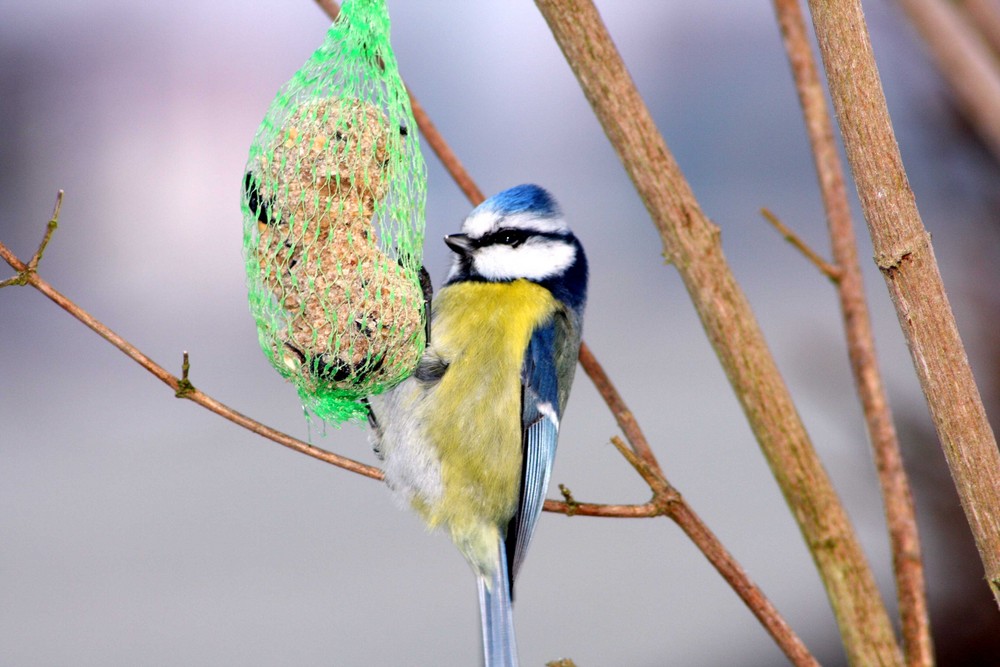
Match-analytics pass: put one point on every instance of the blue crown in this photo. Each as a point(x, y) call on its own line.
point(526, 198)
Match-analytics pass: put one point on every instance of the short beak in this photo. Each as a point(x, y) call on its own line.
point(460, 243)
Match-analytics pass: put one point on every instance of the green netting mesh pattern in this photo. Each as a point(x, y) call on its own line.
point(333, 221)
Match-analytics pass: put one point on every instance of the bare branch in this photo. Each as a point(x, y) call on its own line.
point(188, 391)
point(827, 269)
point(32, 266)
point(669, 502)
point(623, 415)
point(50, 229)
point(896, 497)
point(904, 253)
point(183, 388)
point(574, 508)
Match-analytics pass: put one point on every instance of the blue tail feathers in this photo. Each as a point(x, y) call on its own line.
point(499, 647)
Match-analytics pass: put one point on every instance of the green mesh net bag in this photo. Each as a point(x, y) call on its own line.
point(333, 221)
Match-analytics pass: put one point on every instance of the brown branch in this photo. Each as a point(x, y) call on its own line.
point(670, 503)
point(623, 415)
point(829, 270)
point(448, 158)
point(330, 8)
point(434, 139)
point(692, 244)
point(646, 511)
point(184, 388)
point(965, 61)
point(31, 267)
point(896, 497)
point(904, 253)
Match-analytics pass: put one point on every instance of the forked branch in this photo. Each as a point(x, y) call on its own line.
point(831, 271)
point(23, 274)
point(183, 387)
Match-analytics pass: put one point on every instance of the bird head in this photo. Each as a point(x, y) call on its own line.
point(518, 233)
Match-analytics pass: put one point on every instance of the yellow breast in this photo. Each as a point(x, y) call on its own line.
point(474, 417)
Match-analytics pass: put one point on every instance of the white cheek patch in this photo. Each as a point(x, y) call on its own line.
point(534, 260)
point(482, 223)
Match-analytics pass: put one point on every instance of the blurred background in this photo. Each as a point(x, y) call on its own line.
point(139, 529)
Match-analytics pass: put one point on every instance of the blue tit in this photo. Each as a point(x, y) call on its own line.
point(469, 440)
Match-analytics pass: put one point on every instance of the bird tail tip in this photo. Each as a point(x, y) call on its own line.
point(499, 646)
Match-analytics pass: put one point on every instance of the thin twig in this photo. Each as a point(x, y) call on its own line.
point(905, 255)
point(651, 476)
point(184, 388)
point(330, 8)
point(692, 244)
point(50, 229)
point(896, 497)
point(21, 278)
point(646, 511)
point(671, 504)
point(623, 415)
point(34, 280)
point(829, 270)
point(448, 158)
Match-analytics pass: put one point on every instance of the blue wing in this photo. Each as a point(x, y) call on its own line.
point(542, 401)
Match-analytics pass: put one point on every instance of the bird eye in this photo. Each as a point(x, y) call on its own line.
point(510, 237)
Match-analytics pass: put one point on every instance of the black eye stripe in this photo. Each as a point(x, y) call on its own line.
point(513, 236)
